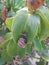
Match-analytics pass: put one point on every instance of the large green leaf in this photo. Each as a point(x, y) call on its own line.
point(12, 48)
point(9, 22)
point(37, 44)
point(32, 26)
point(43, 12)
point(19, 24)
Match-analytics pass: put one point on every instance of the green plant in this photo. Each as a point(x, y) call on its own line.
point(29, 28)
point(8, 8)
point(47, 1)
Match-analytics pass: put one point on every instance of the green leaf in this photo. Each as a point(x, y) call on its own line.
point(37, 44)
point(47, 3)
point(43, 12)
point(4, 44)
point(12, 48)
point(9, 22)
point(32, 26)
point(19, 24)
point(43, 44)
point(29, 48)
point(21, 52)
point(45, 57)
point(8, 36)
point(4, 56)
point(19, 3)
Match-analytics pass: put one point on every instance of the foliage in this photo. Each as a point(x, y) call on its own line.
point(36, 27)
point(47, 3)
